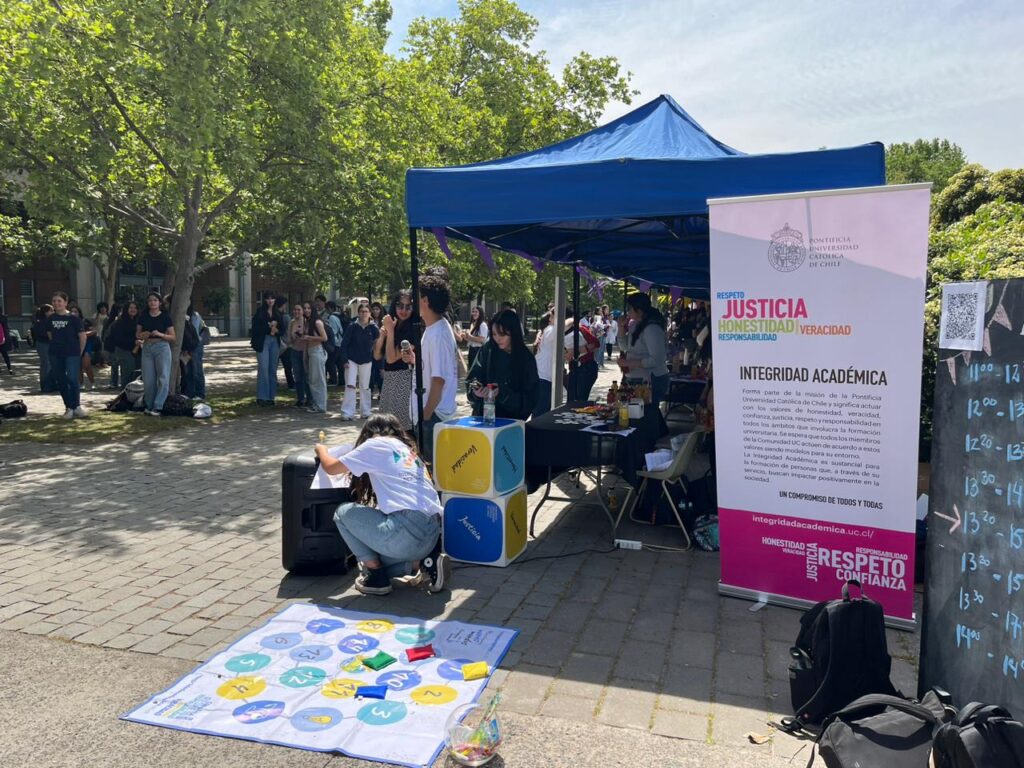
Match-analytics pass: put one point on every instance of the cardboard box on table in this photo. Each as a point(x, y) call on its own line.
point(480, 471)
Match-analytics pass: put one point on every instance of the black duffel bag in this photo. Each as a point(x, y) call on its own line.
point(883, 731)
point(13, 410)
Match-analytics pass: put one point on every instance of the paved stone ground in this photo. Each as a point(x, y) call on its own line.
point(170, 545)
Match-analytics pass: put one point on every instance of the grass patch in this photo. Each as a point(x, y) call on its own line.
point(103, 426)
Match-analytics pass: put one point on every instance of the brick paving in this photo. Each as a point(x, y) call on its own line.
point(170, 545)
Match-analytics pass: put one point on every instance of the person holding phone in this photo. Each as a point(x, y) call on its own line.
point(156, 332)
point(265, 340)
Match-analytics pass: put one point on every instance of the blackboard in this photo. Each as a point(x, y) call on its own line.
point(973, 635)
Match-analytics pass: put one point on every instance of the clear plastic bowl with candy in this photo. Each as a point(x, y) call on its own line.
point(473, 732)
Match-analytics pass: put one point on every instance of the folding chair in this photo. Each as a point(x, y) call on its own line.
point(672, 475)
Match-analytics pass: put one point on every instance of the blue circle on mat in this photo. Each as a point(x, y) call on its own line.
point(311, 653)
point(247, 662)
point(303, 677)
point(414, 635)
point(358, 644)
point(382, 712)
point(400, 679)
point(256, 712)
point(315, 719)
point(282, 641)
point(323, 626)
point(452, 669)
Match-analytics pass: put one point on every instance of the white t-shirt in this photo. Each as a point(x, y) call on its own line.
point(611, 332)
point(397, 475)
point(438, 358)
point(482, 331)
point(545, 353)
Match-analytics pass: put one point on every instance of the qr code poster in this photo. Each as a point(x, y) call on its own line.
point(298, 681)
point(962, 324)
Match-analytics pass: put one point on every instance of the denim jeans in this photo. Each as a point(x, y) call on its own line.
point(64, 371)
point(123, 368)
point(198, 383)
point(396, 539)
point(298, 363)
point(543, 398)
point(316, 375)
point(357, 375)
point(45, 376)
point(266, 369)
point(156, 373)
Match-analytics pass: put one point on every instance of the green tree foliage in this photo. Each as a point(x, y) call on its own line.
point(177, 116)
point(973, 187)
point(984, 241)
point(923, 160)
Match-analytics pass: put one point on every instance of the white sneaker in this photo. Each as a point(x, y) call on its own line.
point(68, 414)
point(81, 413)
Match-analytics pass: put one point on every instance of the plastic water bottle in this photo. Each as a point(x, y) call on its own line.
point(489, 406)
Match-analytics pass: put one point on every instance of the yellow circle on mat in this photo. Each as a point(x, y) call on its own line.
point(377, 626)
point(355, 666)
point(434, 694)
point(242, 687)
point(341, 688)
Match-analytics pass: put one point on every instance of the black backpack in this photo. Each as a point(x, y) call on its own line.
point(840, 655)
point(177, 405)
point(14, 410)
point(981, 736)
point(878, 731)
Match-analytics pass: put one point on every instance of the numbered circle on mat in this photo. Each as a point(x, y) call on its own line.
point(382, 712)
point(242, 687)
point(434, 694)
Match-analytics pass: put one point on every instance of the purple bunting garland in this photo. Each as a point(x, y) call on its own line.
point(485, 253)
point(442, 240)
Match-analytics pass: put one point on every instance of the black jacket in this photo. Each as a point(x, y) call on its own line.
point(261, 327)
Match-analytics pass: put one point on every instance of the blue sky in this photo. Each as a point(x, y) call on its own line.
point(795, 75)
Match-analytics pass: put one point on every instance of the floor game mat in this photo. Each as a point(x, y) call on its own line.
point(293, 682)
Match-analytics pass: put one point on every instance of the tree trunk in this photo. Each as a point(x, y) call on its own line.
point(184, 277)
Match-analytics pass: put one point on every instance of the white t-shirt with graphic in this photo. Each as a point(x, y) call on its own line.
point(437, 355)
point(398, 476)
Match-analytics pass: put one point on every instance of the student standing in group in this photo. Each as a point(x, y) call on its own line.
point(376, 316)
point(316, 359)
point(197, 380)
point(597, 327)
point(266, 329)
point(506, 363)
point(401, 534)
point(86, 374)
point(477, 333)
point(546, 346)
point(295, 341)
point(357, 346)
point(6, 342)
point(643, 348)
point(67, 342)
point(285, 353)
point(582, 370)
point(42, 342)
point(123, 335)
point(156, 332)
point(335, 335)
point(396, 327)
point(611, 332)
point(438, 357)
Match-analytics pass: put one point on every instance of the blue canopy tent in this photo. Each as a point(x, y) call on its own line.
point(627, 199)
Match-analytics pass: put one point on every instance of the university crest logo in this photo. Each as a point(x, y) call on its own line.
point(786, 252)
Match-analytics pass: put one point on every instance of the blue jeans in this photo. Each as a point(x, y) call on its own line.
point(316, 376)
point(45, 376)
point(198, 384)
point(543, 398)
point(64, 372)
point(298, 357)
point(396, 539)
point(156, 373)
point(266, 369)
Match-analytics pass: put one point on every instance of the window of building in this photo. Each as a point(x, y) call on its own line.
point(28, 297)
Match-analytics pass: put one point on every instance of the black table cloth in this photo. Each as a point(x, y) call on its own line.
point(567, 446)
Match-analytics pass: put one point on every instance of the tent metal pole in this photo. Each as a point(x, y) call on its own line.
point(625, 290)
point(576, 330)
point(414, 268)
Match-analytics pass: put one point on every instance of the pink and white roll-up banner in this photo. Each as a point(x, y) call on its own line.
point(817, 311)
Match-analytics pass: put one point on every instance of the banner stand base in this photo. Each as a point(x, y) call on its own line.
point(907, 625)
